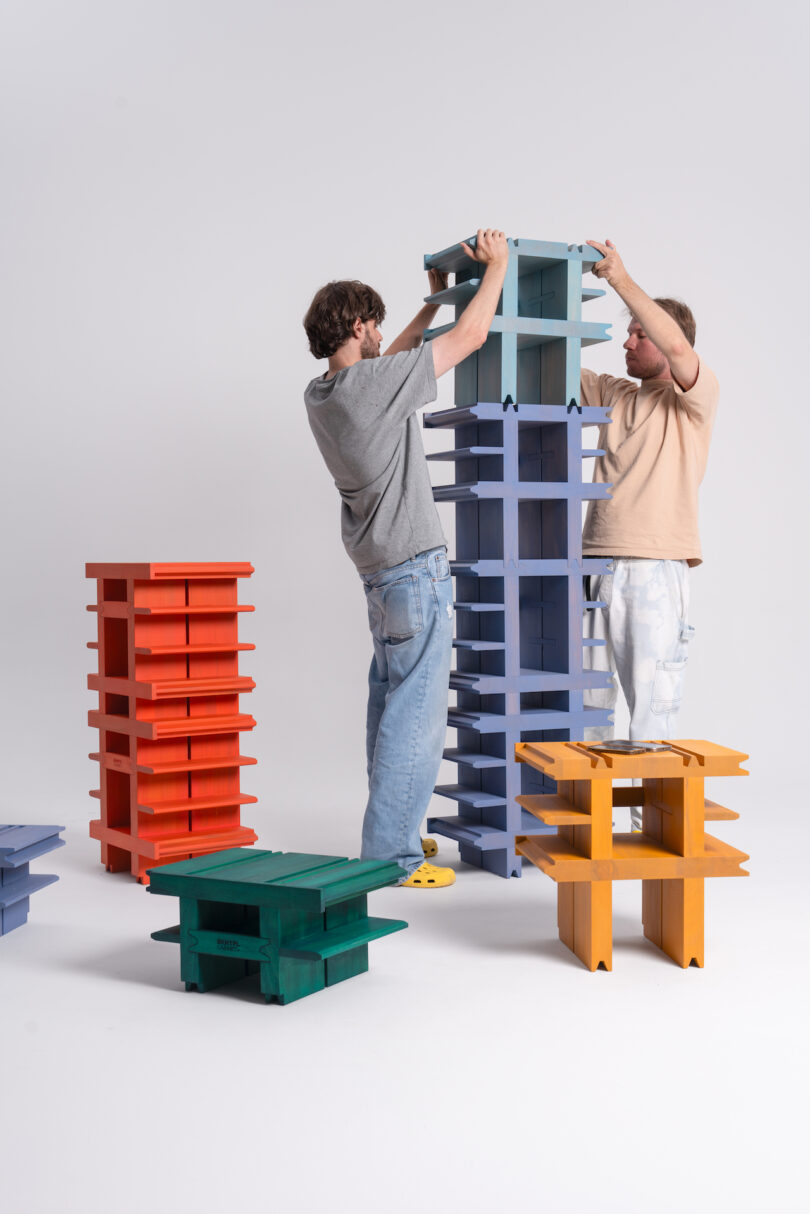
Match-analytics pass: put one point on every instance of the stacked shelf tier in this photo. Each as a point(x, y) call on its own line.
point(19, 845)
point(168, 715)
point(517, 491)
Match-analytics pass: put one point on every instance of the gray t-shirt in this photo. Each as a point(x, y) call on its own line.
point(364, 423)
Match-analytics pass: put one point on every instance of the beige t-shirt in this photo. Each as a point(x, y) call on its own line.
point(656, 447)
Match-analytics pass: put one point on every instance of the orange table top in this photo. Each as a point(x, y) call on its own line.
point(685, 758)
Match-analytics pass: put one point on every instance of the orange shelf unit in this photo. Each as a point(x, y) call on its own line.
point(168, 715)
point(671, 856)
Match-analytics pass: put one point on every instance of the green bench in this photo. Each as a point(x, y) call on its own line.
point(300, 921)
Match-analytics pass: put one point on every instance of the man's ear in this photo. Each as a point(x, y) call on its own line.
point(357, 329)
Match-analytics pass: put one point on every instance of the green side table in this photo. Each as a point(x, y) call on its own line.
point(300, 921)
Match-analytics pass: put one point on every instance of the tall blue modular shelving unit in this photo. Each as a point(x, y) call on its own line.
point(518, 564)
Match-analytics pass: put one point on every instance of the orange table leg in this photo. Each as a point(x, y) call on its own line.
point(672, 910)
point(585, 908)
point(565, 913)
point(682, 921)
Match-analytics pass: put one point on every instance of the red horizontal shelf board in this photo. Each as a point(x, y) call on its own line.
point(197, 609)
point(124, 763)
point(124, 610)
point(197, 842)
point(157, 651)
point(171, 689)
point(192, 842)
point(157, 571)
point(182, 727)
point(189, 804)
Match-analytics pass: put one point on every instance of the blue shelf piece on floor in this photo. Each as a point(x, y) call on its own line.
point(517, 490)
point(19, 845)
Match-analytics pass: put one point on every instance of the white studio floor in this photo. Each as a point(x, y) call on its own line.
point(476, 1066)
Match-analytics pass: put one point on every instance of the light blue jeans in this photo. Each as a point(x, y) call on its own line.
point(410, 614)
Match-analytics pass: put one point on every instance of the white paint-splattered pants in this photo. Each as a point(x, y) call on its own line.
point(644, 623)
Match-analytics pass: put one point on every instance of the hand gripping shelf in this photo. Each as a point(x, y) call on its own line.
point(19, 845)
point(518, 492)
point(168, 715)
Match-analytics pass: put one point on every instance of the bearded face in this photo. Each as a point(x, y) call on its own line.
point(643, 358)
point(371, 340)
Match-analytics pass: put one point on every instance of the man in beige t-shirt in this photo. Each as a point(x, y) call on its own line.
point(656, 446)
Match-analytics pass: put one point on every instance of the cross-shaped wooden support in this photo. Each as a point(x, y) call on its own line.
point(672, 855)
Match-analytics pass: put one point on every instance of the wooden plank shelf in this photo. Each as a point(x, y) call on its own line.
point(220, 763)
point(329, 943)
point(190, 804)
point(175, 727)
point(171, 689)
point(169, 847)
point(635, 857)
point(192, 650)
point(554, 810)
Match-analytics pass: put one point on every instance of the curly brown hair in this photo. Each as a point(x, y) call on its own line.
point(331, 315)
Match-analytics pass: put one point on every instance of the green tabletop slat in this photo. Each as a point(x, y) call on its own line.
point(258, 878)
point(346, 879)
point(204, 866)
point(270, 868)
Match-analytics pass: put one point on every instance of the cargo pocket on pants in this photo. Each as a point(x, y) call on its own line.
point(667, 687)
point(668, 683)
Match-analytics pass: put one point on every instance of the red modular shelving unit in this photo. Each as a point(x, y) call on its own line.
point(168, 715)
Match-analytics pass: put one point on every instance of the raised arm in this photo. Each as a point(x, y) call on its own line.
point(411, 336)
point(662, 330)
point(470, 333)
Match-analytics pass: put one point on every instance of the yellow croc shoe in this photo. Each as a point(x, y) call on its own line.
point(429, 848)
point(428, 876)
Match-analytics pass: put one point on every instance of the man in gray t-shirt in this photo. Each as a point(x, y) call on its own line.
point(365, 423)
point(363, 414)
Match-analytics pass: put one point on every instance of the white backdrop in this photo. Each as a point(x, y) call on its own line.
point(180, 178)
point(181, 175)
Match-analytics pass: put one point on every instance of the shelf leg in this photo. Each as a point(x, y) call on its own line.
point(672, 910)
point(651, 910)
point(585, 908)
point(565, 913)
point(115, 859)
point(593, 923)
point(355, 961)
point(682, 921)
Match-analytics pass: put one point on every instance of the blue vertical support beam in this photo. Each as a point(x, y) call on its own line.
point(506, 861)
point(19, 845)
point(518, 492)
point(573, 475)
